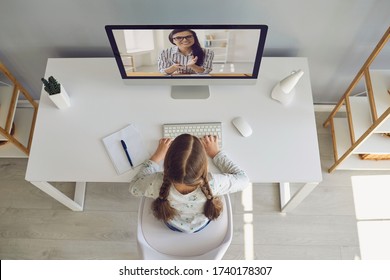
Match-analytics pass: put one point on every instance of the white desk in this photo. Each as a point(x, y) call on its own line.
point(67, 144)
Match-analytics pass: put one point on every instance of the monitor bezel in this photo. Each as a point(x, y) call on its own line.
point(259, 53)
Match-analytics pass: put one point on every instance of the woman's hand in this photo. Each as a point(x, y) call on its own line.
point(161, 150)
point(173, 68)
point(192, 62)
point(210, 144)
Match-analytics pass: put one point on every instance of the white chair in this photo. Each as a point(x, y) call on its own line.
point(157, 242)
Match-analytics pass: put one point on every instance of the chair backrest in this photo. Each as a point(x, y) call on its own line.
point(156, 241)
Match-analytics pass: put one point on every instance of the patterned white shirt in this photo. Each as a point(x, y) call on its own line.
point(172, 55)
point(190, 206)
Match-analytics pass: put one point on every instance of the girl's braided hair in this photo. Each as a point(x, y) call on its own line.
point(185, 163)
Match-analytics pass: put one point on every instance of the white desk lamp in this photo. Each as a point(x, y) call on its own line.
point(284, 90)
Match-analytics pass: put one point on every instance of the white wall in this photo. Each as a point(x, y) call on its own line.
point(336, 35)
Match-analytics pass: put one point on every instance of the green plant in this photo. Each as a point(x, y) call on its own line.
point(51, 85)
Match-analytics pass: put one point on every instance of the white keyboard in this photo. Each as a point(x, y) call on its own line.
point(171, 130)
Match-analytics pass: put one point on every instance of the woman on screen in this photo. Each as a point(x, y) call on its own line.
point(187, 56)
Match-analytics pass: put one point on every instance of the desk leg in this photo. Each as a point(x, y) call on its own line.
point(288, 203)
point(77, 204)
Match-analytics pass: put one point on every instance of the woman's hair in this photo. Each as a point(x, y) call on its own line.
point(185, 163)
point(196, 48)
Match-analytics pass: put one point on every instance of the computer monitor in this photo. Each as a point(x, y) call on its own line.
point(188, 57)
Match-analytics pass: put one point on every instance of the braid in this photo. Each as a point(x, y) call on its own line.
point(162, 210)
point(185, 163)
point(213, 205)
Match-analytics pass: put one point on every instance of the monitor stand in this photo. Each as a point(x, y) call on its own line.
point(190, 92)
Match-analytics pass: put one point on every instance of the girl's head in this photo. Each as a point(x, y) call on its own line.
point(187, 38)
point(185, 163)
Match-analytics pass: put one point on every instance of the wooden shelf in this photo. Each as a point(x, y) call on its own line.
point(22, 120)
point(354, 162)
point(5, 107)
point(361, 116)
point(374, 144)
point(368, 118)
point(341, 133)
point(380, 80)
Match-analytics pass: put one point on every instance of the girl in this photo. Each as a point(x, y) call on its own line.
point(185, 193)
point(187, 56)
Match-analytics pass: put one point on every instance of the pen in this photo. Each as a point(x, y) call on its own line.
point(127, 153)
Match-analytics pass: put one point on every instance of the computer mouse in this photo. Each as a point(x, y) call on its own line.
point(242, 126)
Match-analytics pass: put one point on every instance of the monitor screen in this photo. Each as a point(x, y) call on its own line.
point(188, 54)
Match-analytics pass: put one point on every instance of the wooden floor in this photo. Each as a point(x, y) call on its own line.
point(35, 226)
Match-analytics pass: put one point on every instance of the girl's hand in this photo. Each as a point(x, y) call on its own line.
point(161, 150)
point(210, 144)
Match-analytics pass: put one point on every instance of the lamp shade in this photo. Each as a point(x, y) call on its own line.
point(284, 90)
point(288, 83)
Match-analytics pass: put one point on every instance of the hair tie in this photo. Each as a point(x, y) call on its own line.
point(161, 198)
point(209, 197)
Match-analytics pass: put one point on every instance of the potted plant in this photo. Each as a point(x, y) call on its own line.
point(56, 92)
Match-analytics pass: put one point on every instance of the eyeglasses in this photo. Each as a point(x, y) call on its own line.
point(181, 38)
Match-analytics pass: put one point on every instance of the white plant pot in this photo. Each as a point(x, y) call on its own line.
point(61, 100)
